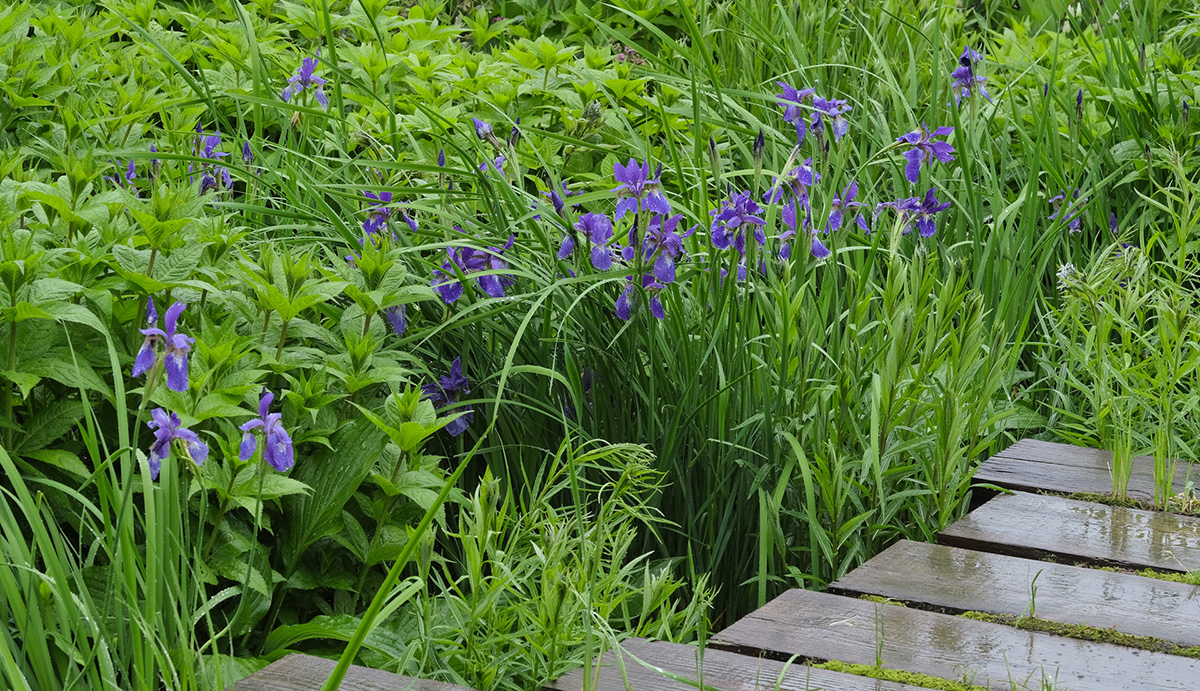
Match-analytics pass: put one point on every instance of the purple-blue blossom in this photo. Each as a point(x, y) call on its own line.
point(664, 246)
point(798, 181)
point(397, 317)
point(469, 261)
point(917, 212)
point(925, 149)
point(728, 221)
point(791, 99)
point(304, 79)
point(842, 204)
point(637, 190)
point(167, 428)
point(624, 304)
point(126, 180)
point(175, 350)
point(378, 213)
point(1068, 209)
point(445, 395)
point(966, 81)
point(599, 231)
point(831, 110)
point(278, 451)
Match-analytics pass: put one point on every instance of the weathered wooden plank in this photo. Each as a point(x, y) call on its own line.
point(720, 670)
point(1032, 465)
point(960, 580)
point(1037, 526)
point(823, 626)
point(307, 673)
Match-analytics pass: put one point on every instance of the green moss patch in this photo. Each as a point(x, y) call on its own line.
point(1088, 633)
point(912, 678)
point(882, 600)
point(1189, 578)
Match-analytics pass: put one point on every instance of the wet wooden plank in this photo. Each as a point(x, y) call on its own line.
point(307, 673)
point(959, 580)
point(1037, 526)
point(1031, 465)
point(720, 670)
point(824, 626)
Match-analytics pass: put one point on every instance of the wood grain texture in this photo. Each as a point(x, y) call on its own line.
point(1036, 526)
point(721, 670)
point(1031, 465)
point(960, 580)
point(307, 673)
point(823, 626)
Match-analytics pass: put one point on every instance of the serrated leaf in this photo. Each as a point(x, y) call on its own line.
point(334, 477)
point(25, 381)
point(47, 426)
point(63, 460)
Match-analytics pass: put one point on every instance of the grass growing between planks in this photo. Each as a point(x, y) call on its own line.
point(1083, 632)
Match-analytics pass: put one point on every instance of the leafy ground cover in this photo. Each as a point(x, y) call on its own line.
point(466, 339)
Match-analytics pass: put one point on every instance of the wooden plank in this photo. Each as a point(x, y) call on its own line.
point(721, 670)
point(307, 673)
point(1036, 526)
point(959, 580)
point(823, 626)
point(1031, 465)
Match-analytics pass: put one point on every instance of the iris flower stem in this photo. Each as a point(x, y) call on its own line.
point(219, 517)
point(262, 476)
point(150, 266)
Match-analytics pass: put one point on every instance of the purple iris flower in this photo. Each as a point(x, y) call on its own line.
point(737, 211)
point(126, 180)
point(176, 347)
point(832, 110)
point(154, 164)
point(791, 218)
point(664, 245)
point(638, 191)
point(472, 261)
point(211, 173)
point(558, 199)
point(917, 212)
point(496, 164)
point(599, 231)
point(447, 392)
point(798, 181)
point(398, 318)
point(966, 81)
point(377, 214)
point(624, 303)
point(924, 149)
point(277, 449)
point(791, 99)
point(482, 129)
point(1068, 209)
point(842, 204)
point(304, 79)
point(247, 154)
point(167, 428)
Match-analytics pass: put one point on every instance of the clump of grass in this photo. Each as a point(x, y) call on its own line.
point(1084, 632)
point(924, 681)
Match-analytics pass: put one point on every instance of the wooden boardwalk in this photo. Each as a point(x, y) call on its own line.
point(1021, 554)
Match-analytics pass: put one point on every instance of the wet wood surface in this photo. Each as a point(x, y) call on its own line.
point(824, 626)
point(1030, 465)
point(720, 669)
point(1038, 526)
point(958, 580)
point(307, 673)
